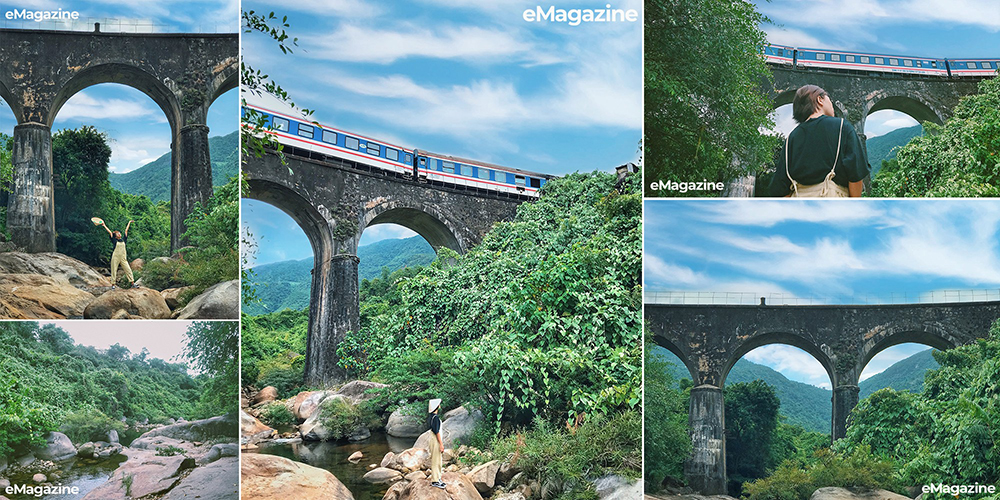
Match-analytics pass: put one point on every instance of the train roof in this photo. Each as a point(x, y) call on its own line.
point(850, 52)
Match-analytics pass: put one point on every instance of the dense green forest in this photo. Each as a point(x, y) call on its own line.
point(537, 326)
point(48, 383)
point(884, 147)
point(152, 180)
point(958, 159)
point(905, 375)
point(895, 439)
point(286, 285)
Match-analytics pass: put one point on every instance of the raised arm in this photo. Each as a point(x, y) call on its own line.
point(105, 226)
point(128, 226)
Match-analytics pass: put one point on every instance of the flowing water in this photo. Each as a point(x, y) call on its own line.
point(332, 456)
point(83, 474)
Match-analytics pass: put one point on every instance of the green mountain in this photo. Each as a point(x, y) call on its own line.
point(906, 375)
point(884, 147)
point(810, 406)
point(153, 179)
point(286, 285)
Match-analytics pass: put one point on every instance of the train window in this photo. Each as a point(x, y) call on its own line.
point(423, 162)
point(987, 65)
point(879, 60)
point(351, 143)
point(392, 154)
point(305, 130)
point(834, 57)
point(894, 62)
point(467, 170)
point(372, 149)
point(820, 57)
point(483, 173)
point(330, 137)
point(448, 167)
point(535, 183)
point(279, 124)
point(849, 58)
point(907, 62)
point(519, 180)
point(865, 59)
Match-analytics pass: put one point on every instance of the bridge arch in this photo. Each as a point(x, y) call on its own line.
point(779, 338)
point(8, 98)
point(286, 199)
point(122, 74)
point(938, 338)
point(684, 357)
point(905, 101)
point(427, 221)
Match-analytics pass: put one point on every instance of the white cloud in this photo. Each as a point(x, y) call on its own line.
point(770, 213)
point(791, 362)
point(83, 106)
point(782, 35)
point(379, 232)
point(885, 121)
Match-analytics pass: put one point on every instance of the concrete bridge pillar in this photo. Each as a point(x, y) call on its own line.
point(706, 468)
point(845, 398)
point(31, 207)
point(334, 313)
point(192, 178)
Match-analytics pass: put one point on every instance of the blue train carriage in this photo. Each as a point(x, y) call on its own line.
point(870, 62)
point(779, 54)
point(336, 143)
point(974, 67)
point(476, 174)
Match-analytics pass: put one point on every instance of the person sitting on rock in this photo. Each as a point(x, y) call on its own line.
point(119, 257)
point(437, 445)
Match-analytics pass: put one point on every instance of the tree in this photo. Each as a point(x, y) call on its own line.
point(213, 347)
point(704, 77)
point(751, 421)
point(81, 190)
point(959, 159)
point(665, 413)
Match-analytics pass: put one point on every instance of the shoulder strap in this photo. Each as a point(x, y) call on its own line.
point(795, 186)
point(839, 136)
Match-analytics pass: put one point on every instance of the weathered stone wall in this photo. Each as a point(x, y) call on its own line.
point(182, 73)
point(333, 204)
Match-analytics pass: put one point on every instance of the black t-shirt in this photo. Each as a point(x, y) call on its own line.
point(114, 241)
point(434, 423)
point(812, 149)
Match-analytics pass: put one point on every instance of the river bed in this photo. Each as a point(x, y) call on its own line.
point(332, 456)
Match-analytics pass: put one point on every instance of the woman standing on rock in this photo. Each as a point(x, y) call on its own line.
point(437, 445)
point(119, 257)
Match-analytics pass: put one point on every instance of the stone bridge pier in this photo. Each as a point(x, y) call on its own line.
point(41, 70)
point(333, 204)
point(710, 339)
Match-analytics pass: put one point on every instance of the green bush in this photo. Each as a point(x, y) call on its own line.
point(857, 468)
point(340, 417)
point(667, 443)
point(89, 424)
point(168, 451)
point(213, 233)
point(284, 372)
point(277, 415)
point(571, 456)
point(162, 274)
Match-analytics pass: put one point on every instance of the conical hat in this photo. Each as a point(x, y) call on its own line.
point(433, 405)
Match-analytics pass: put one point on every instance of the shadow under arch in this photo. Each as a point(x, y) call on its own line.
point(122, 74)
point(685, 358)
point(5, 95)
point(429, 223)
point(783, 338)
point(912, 105)
point(226, 80)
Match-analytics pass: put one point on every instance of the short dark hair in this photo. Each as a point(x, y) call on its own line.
point(804, 103)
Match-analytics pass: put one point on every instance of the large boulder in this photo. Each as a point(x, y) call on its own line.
point(357, 390)
point(615, 487)
point(54, 265)
point(833, 493)
point(144, 473)
point(484, 476)
point(266, 395)
point(57, 447)
point(403, 424)
point(268, 476)
point(314, 428)
point(172, 296)
point(413, 458)
point(219, 301)
point(310, 403)
point(382, 475)
point(199, 430)
point(33, 296)
point(456, 426)
point(136, 302)
point(219, 480)
point(253, 430)
point(458, 487)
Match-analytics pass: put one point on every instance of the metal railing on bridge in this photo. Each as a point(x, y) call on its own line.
point(113, 25)
point(785, 299)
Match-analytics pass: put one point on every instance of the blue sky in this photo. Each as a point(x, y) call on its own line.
point(932, 28)
point(833, 251)
point(459, 77)
point(137, 128)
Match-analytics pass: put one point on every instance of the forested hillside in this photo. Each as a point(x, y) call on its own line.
point(153, 179)
point(884, 147)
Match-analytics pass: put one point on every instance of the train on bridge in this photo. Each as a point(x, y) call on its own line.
point(878, 63)
point(331, 143)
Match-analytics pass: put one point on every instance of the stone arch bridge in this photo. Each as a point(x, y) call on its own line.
point(855, 96)
point(710, 339)
point(40, 70)
point(333, 202)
